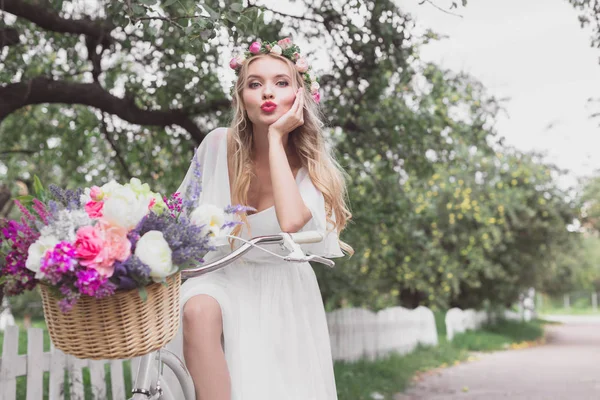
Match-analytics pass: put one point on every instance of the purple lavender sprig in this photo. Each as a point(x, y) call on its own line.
point(194, 188)
point(70, 199)
point(131, 273)
point(238, 209)
point(186, 240)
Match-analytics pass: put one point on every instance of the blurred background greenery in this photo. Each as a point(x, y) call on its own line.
point(445, 213)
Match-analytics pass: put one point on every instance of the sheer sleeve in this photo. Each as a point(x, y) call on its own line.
point(208, 170)
point(315, 202)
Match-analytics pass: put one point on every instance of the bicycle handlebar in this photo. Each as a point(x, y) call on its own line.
point(299, 238)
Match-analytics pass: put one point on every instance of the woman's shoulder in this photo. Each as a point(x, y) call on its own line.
point(216, 134)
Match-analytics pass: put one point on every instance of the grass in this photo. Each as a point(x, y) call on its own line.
point(358, 381)
point(22, 381)
point(391, 375)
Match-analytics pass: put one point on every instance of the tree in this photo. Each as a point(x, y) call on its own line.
point(90, 97)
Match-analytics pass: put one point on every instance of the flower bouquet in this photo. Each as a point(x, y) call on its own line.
point(107, 262)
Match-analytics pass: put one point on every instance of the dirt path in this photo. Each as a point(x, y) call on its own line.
point(567, 367)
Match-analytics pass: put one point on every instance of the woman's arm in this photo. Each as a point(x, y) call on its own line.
point(292, 213)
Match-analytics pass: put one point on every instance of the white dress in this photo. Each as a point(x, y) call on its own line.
point(275, 332)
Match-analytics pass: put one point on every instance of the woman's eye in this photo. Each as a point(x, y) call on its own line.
point(253, 85)
point(282, 83)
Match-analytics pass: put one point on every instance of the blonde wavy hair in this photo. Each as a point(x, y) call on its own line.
point(308, 142)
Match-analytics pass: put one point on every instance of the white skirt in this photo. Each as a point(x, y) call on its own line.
point(275, 332)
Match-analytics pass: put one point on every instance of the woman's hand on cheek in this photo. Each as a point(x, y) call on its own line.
point(292, 119)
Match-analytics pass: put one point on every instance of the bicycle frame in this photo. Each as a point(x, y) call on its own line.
point(144, 387)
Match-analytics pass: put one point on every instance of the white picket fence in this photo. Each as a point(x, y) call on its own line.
point(358, 333)
point(355, 333)
point(459, 321)
point(6, 317)
point(35, 362)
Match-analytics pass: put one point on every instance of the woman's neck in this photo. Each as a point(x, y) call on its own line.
point(261, 145)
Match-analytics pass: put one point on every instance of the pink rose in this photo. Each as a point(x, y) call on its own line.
point(98, 247)
point(233, 64)
point(94, 208)
point(254, 48)
point(296, 56)
point(317, 97)
point(88, 245)
point(285, 43)
point(117, 247)
point(96, 193)
point(302, 65)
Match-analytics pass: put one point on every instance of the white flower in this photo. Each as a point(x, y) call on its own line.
point(210, 217)
point(85, 197)
point(36, 252)
point(110, 187)
point(314, 87)
point(276, 49)
point(154, 251)
point(138, 187)
point(241, 59)
point(124, 208)
point(66, 224)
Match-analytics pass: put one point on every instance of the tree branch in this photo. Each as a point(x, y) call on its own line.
point(113, 144)
point(44, 17)
point(43, 90)
point(8, 37)
point(301, 17)
point(440, 8)
point(17, 151)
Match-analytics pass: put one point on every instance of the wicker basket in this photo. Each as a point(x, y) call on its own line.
point(115, 327)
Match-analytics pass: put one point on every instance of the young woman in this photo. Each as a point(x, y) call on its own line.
point(256, 330)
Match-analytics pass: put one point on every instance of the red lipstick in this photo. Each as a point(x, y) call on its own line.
point(268, 106)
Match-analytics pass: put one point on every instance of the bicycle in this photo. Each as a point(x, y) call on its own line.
point(150, 387)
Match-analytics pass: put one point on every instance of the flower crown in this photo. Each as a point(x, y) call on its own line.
point(287, 49)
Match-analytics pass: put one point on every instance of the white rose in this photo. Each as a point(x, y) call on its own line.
point(124, 208)
point(276, 49)
point(154, 251)
point(314, 87)
point(210, 217)
point(110, 187)
point(36, 252)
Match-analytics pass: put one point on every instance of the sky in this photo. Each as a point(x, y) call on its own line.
point(535, 54)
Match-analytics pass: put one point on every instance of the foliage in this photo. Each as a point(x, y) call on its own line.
point(437, 217)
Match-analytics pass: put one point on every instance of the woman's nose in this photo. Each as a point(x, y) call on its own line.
point(267, 92)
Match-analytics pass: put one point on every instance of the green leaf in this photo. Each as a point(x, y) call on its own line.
point(148, 2)
point(168, 3)
point(143, 293)
point(25, 200)
point(232, 17)
point(212, 13)
point(237, 7)
point(38, 188)
point(137, 9)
